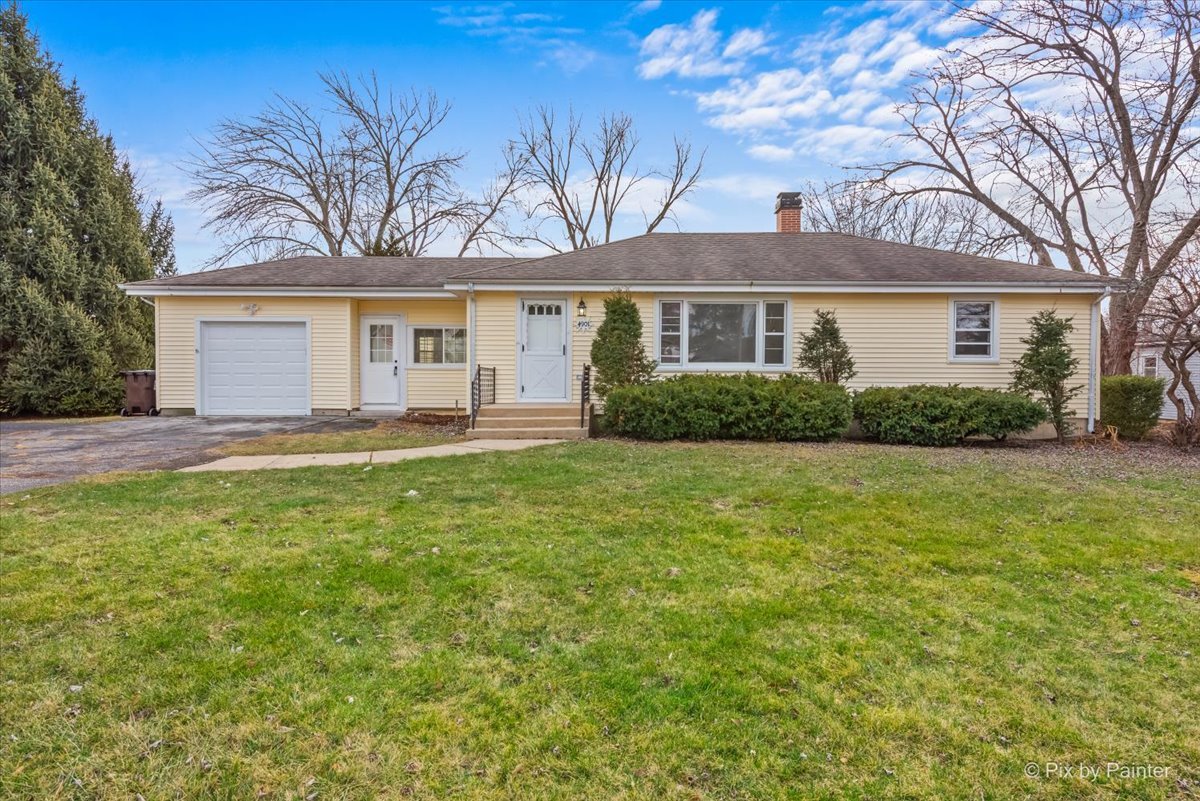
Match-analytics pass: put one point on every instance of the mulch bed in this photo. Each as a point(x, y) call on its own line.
point(427, 422)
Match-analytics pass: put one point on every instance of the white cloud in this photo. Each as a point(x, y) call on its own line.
point(544, 33)
point(842, 142)
point(771, 153)
point(694, 50)
point(746, 186)
point(746, 42)
point(769, 100)
point(845, 64)
point(834, 100)
point(647, 6)
point(883, 115)
point(851, 105)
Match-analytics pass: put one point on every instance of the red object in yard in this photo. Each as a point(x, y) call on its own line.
point(139, 393)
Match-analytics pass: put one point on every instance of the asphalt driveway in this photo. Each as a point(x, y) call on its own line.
point(34, 453)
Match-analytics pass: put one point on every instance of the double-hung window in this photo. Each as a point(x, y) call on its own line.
point(723, 334)
point(439, 346)
point(973, 330)
point(1150, 366)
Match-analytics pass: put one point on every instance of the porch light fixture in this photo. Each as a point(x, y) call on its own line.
point(581, 309)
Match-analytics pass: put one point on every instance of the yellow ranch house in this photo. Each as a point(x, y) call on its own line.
point(508, 339)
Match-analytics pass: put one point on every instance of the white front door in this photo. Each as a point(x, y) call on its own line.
point(543, 350)
point(382, 361)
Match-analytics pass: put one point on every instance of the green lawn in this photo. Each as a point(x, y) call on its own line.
point(385, 436)
point(608, 620)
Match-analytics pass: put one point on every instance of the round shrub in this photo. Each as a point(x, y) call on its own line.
point(998, 414)
point(701, 407)
point(1132, 403)
point(924, 414)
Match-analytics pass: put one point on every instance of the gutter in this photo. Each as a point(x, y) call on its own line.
point(133, 290)
point(759, 287)
point(1093, 359)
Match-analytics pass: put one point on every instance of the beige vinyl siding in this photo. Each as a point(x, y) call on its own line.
point(900, 339)
point(496, 340)
point(329, 357)
point(497, 315)
point(904, 338)
point(427, 387)
point(581, 350)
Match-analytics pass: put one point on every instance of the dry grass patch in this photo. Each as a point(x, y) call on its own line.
point(383, 436)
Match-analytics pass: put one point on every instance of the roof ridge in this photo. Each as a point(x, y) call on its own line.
point(563, 254)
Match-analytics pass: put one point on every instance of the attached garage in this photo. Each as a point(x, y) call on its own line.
point(252, 367)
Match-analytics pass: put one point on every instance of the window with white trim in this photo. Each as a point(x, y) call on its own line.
point(973, 330)
point(1150, 366)
point(440, 345)
point(722, 334)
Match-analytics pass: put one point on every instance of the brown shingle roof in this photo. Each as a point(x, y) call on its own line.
point(770, 258)
point(762, 258)
point(378, 272)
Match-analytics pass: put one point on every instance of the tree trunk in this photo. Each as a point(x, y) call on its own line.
point(1120, 335)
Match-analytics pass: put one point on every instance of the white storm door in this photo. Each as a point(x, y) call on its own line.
point(543, 350)
point(382, 370)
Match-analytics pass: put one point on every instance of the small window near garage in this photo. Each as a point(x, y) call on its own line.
point(1150, 366)
point(973, 330)
point(439, 346)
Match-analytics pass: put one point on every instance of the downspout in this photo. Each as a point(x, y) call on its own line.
point(1093, 356)
point(471, 330)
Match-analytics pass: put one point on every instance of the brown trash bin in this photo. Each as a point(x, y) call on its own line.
point(139, 393)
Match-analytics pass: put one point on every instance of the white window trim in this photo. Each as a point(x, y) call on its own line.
point(757, 365)
point(993, 346)
point(412, 347)
point(1145, 358)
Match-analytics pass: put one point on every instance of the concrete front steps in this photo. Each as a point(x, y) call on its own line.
point(528, 421)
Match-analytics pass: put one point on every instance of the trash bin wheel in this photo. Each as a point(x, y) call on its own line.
point(124, 412)
point(155, 411)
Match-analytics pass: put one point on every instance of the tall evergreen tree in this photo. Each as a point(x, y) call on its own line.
point(70, 231)
point(1047, 365)
point(159, 233)
point(617, 352)
point(823, 351)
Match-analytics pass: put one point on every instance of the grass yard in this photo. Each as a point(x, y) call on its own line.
point(384, 436)
point(609, 620)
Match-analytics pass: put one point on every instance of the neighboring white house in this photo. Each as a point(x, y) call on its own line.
point(1147, 361)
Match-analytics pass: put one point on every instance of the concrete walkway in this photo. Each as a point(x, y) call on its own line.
point(366, 457)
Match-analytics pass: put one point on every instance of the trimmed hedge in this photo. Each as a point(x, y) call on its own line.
point(924, 414)
point(1132, 403)
point(701, 407)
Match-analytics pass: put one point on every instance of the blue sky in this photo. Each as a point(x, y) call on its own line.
point(779, 93)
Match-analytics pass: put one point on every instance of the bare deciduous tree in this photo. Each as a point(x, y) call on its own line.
point(1073, 122)
point(576, 184)
point(1172, 320)
point(932, 221)
point(362, 177)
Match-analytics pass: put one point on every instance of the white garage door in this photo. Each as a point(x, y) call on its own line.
point(255, 367)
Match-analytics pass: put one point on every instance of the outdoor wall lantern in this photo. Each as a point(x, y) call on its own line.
point(581, 309)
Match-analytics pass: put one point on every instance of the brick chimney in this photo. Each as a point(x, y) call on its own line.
point(787, 212)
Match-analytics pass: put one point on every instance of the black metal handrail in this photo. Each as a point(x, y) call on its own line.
point(585, 393)
point(483, 390)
